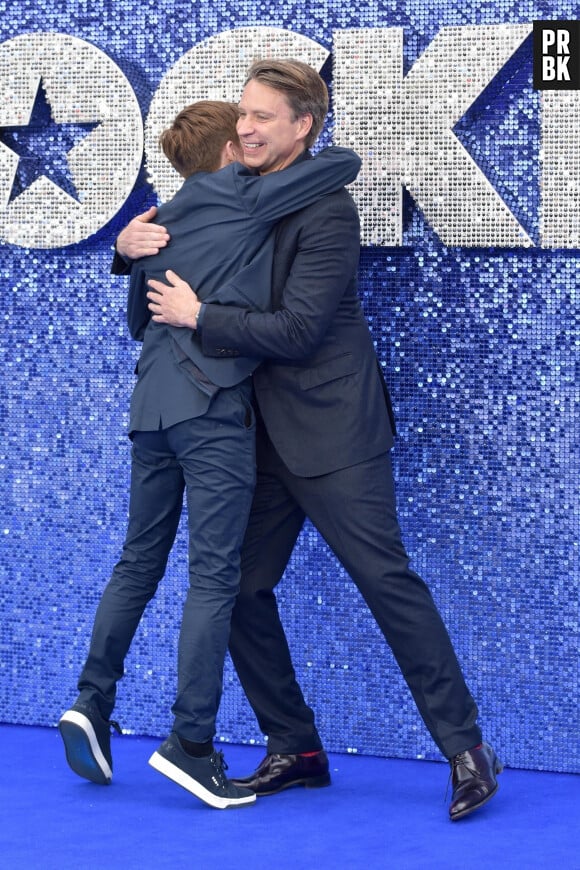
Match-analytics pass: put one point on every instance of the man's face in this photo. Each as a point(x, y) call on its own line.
point(271, 136)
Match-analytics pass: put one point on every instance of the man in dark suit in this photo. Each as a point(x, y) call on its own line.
point(325, 428)
point(192, 429)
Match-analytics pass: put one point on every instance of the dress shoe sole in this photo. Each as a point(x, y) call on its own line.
point(83, 752)
point(308, 782)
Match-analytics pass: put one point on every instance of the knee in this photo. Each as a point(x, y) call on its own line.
point(252, 602)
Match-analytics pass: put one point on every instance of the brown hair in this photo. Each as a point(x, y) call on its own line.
point(304, 89)
point(195, 140)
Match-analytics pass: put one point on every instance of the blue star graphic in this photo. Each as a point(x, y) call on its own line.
point(42, 147)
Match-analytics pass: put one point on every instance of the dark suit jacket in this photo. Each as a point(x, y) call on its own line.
point(320, 390)
point(220, 224)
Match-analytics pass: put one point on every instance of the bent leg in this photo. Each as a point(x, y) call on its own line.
point(258, 644)
point(154, 510)
point(217, 455)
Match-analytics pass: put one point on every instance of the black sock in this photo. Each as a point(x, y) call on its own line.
point(196, 750)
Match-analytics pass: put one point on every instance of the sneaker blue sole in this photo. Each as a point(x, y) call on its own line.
point(83, 752)
point(173, 772)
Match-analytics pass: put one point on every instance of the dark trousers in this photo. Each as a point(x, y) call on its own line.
point(212, 458)
point(354, 510)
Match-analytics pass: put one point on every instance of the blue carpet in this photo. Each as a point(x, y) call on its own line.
point(379, 813)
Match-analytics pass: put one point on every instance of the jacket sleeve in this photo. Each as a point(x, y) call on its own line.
point(325, 265)
point(120, 266)
point(138, 314)
point(308, 179)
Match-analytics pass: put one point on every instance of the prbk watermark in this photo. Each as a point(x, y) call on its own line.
point(556, 55)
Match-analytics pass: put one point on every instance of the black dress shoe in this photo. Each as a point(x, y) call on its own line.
point(276, 772)
point(473, 775)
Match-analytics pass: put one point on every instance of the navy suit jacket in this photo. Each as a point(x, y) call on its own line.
point(319, 389)
point(220, 224)
point(221, 230)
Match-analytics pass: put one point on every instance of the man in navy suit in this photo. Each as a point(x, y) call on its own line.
point(192, 428)
point(324, 432)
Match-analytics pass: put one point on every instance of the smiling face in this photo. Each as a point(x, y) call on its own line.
point(270, 134)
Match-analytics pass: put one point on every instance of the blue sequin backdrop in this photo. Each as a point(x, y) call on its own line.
point(480, 349)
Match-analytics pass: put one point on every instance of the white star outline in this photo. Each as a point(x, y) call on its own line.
point(83, 85)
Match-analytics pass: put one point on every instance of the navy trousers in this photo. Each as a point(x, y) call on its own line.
point(212, 458)
point(354, 509)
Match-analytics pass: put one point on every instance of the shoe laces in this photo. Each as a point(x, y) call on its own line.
point(218, 761)
point(460, 760)
point(112, 724)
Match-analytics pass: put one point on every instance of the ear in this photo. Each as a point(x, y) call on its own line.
point(305, 125)
point(230, 154)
